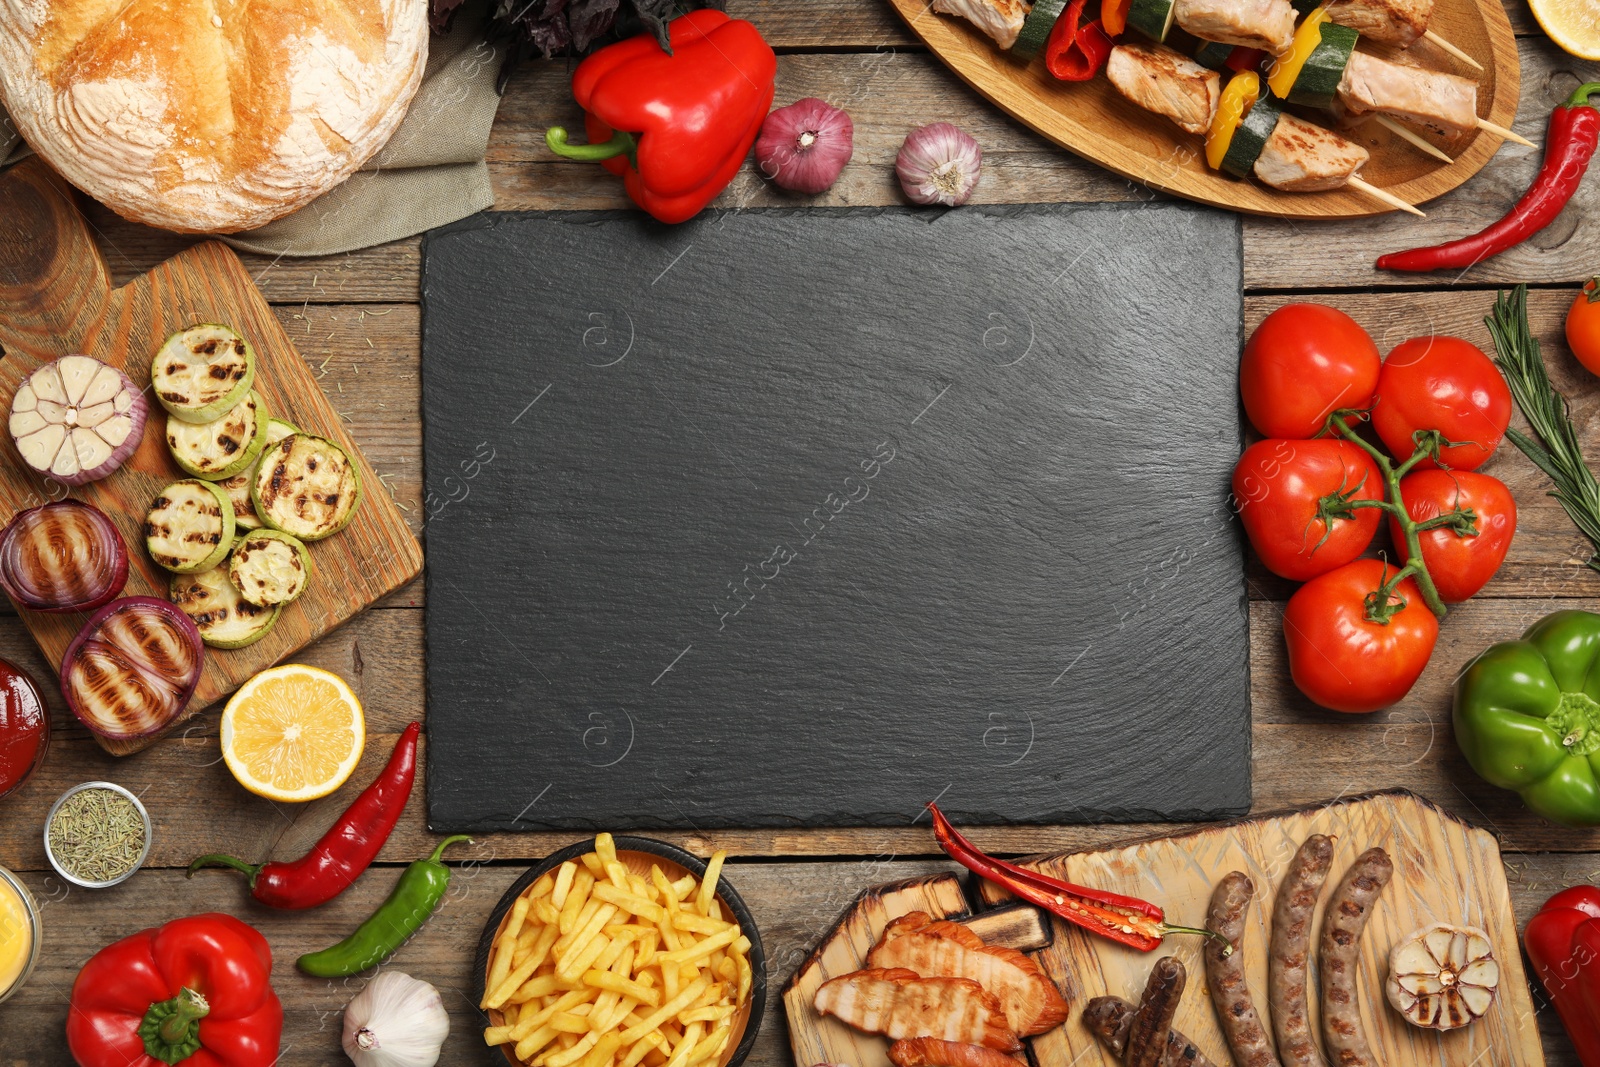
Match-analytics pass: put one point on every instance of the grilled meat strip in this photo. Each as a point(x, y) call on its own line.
point(932, 1052)
point(917, 943)
point(1396, 22)
point(1301, 157)
point(1000, 19)
point(1264, 24)
point(1444, 102)
point(899, 1003)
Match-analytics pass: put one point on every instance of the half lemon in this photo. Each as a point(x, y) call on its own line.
point(293, 733)
point(1572, 24)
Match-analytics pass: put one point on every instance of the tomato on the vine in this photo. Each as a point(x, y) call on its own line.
point(1444, 384)
point(1279, 487)
point(1459, 566)
point(1583, 326)
point(1346, 661)
point(1304, 362)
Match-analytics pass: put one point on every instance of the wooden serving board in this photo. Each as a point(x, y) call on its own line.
point(55, 299)
point(1095, 121)
point(1445, 871)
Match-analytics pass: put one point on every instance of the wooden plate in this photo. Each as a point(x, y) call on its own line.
point(56, 298)
point(637, 854)
point(1093, 120)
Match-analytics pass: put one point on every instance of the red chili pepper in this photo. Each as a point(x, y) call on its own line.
point(1563, 941)
point(1076, 53)
point(1126, 920)
point(347, 849)
point(676, 127)
point(1568, 146)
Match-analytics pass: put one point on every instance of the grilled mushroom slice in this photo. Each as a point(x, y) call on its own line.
point(225, 619)
point(269, 567)
point(224, 446)
point(306, 486)
point(202, 372)
point(189, 527)
point(238, 486)
point(1443, 977)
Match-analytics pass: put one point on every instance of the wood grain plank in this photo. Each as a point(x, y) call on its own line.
point(56, 301)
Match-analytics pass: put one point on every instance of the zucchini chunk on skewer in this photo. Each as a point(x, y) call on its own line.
point(1245, 120)
point(238, 486)
point(1036, 28)
point(224, 618)
point(269, 568)
point(1153, 18)
point(189, 526)
point(224, 446)
point(306, 486)
point(202, 372)
point(1310, 72)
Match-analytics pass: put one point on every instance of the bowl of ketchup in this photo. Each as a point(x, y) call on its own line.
point(24, 728)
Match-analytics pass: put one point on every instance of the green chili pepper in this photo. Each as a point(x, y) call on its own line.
point(413, 900)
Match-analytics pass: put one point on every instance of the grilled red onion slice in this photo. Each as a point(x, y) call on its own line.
point(61, 557)
point(76, 419)
point(132, 667)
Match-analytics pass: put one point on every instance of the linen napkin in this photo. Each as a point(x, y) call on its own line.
point(430, 173)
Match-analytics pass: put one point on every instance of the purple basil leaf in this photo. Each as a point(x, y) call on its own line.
point(590, 20)
point(441, 13)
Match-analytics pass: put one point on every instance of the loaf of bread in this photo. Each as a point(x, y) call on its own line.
point(209, 116)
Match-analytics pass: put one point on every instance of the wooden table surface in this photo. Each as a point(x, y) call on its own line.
point(356, 319)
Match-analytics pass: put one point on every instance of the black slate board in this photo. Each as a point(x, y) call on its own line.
point(809, 517)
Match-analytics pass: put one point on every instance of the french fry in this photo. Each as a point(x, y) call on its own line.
point(497, 1035)
point(648, 939)
point(688, 920)
point(546, 911)
point(504, 947)
point(576, 963)
point(645, 1045)
point(605, 846)
point(514, 980)
point(566, 1002)
point(573, 1054)
point(579, 923)
point(745, 978)
point(618, 874)
point(530, 1045)
point(667, 1010)
point(701, 949)
point(540, 888)
point(633, 904)
point(684, 886)
point(669, 894)
point(582, 882)
point(603, 1051)
point(593, 862)
point(622, 986)
point(540, 986)
point(563, 884)
point(708, 884)
point(567, 1023)
point(742, 945)
point(726, 969)
point(580, 938)
point(711, 1046)
point(685, 1045)
point(709, 1014)
point(669, 979)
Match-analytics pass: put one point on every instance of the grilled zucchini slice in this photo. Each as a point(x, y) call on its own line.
point(238, 486)
point(269, 567)
point(306, 486)
point(224, 446)
point(189, 527)
point(225, 619)
point(202, 372)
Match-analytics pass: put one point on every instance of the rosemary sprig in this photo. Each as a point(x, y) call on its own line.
point(1557, 451)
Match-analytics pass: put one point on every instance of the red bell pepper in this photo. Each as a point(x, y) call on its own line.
point(1075, 53)
point(194, 991)
point(1563, 941)
point(676, 126)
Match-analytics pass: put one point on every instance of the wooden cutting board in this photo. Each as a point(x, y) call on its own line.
point(1445, 871)
point(55, 299)
point(1093, 120)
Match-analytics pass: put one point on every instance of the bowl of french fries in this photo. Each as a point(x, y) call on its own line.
point(622, 952)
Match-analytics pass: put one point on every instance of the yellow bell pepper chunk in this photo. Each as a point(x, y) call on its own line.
point(1243, 90)
point(1286, 68)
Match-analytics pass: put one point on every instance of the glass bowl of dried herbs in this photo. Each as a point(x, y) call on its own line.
point(97, 834)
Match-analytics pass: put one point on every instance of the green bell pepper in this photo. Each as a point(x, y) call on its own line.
point(1527, 716)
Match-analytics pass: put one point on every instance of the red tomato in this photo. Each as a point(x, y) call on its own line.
point(1444, 384)
point(1583, 326)
point(1459, 566)
point(1304, 362)
point(1343, 660)
point(1277, 485)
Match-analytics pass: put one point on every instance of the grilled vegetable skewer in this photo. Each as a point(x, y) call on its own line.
point(1281, 150)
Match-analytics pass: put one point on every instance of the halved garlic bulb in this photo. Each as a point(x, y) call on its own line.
point(76, 419)
point(1443, 977)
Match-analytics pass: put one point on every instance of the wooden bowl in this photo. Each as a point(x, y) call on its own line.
point(637, 854)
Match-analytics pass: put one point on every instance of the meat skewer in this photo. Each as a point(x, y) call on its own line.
point(1291, 154)
point(1394, 22)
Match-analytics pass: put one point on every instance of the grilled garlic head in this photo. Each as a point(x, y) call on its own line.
point(1443, 977)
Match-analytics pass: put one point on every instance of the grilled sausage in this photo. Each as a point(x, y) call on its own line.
point(1230, 992)
point(1339, 958)
point(1291, 948)
point(1110, 1019)
point(1157, 1008)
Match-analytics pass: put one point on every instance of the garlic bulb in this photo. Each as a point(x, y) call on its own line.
point(939, 164)
point(396, 1021)
point(1443, 977)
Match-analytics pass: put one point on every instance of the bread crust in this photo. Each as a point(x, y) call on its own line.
point(209, 116)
